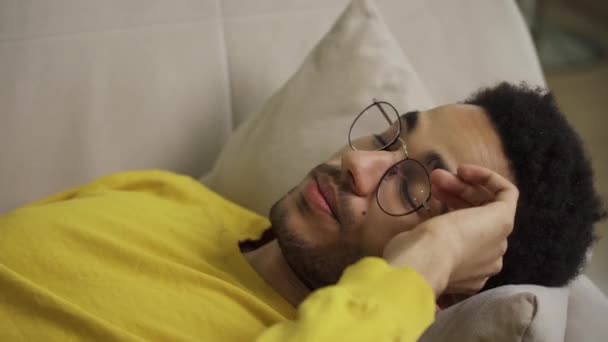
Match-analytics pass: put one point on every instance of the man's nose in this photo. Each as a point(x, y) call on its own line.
point(362, 170)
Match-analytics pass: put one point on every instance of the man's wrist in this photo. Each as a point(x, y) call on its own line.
point(423, 250)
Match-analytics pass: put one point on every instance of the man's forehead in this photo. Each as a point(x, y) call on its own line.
point(465, 133)
point(456, 110)
point(460, 119)
point(444, 113)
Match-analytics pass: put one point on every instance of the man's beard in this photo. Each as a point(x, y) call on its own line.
point(315, 265)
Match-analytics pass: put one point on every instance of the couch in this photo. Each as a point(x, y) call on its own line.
point(94, 87)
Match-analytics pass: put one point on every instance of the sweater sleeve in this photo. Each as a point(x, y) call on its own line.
point(372, 302)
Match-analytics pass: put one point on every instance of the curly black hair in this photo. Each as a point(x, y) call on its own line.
point(558, 205)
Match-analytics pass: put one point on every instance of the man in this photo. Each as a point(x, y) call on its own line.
point(514, 130)
point(362, 247)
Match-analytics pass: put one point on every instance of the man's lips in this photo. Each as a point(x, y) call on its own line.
point(328, 193)
point(318, 196)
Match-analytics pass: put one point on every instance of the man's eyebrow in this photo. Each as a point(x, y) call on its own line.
point(411, 119)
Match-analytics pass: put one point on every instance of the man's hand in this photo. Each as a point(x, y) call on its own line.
point(457, 252)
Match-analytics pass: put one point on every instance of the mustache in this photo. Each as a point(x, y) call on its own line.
point(335, 174)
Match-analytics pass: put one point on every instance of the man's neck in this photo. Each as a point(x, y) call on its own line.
point(269, 263)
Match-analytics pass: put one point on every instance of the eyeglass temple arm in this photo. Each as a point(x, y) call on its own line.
point(403, 146)
point(383, 112)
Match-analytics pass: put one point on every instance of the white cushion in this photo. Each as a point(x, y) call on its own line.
point(454, 46)
point(458, 46)
point(587, 312)
point(308, 118)
point(90, 88)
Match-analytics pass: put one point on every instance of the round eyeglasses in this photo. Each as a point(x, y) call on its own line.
point(406, 186)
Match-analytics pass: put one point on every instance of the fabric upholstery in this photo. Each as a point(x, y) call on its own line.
point(90, 88)
point(587, 312)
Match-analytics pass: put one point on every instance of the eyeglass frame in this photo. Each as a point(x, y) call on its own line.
point(384, 148)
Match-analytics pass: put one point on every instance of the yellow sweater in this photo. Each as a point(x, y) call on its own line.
point(154, 256)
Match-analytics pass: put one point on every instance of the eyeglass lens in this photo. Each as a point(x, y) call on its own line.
point(405, 187)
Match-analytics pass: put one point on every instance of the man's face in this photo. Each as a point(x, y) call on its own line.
point(332, 218)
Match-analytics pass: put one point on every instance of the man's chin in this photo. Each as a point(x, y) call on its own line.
point(315, 252)
point(315, 264)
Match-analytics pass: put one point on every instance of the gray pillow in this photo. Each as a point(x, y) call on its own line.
point(523, 313)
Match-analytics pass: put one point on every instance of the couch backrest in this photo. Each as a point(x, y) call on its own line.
point(93, 87)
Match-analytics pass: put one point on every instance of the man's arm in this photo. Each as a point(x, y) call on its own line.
point(373, 301)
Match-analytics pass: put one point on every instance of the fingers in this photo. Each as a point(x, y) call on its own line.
point(477, 233)
point(457, 194)
point(502, 189)
point(453, 202)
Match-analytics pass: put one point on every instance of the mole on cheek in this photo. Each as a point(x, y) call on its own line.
point(364, 213)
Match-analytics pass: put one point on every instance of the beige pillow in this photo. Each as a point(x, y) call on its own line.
point(307, 120)
point(522, 313)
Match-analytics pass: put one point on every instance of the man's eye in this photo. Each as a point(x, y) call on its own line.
point(435, 164)
point(391, 172)
point(380, 142)
point(406, 195)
